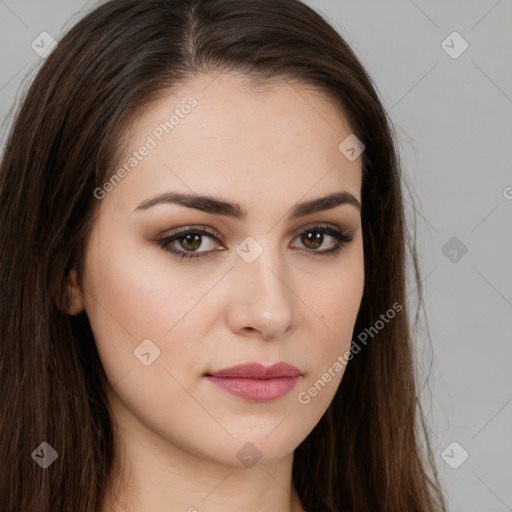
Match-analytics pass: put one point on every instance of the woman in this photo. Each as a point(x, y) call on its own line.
point(203, 272)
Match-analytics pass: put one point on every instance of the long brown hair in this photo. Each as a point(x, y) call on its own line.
point(365, 454)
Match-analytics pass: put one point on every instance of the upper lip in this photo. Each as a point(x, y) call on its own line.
point(258, 371)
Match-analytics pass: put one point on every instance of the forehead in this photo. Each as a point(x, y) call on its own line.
point(219, 133)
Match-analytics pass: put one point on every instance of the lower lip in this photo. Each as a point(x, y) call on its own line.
point(256, 390)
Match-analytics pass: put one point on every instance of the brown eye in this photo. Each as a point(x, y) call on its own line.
point(313, 239)
point(190, 242)
point(185, 242)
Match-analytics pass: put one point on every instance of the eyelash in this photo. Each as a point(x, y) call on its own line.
point(342, 237)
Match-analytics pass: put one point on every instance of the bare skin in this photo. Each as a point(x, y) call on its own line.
point(180, 436)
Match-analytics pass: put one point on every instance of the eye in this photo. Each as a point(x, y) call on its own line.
point(189, 239)
point(185, 242)
point(314, 237)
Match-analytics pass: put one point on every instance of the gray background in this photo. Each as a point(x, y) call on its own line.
point(453, 120)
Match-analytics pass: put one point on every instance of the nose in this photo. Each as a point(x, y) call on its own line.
point(263, 303)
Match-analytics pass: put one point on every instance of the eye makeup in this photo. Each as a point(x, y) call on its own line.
point(192, 236)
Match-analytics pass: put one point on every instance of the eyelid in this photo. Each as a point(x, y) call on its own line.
point(340, 235)
point(193, 227)
point(216, 234)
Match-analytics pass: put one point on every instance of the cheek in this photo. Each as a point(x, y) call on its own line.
point(132, 297)
point(337, 311)
point(337, 304)
point(335, 327)
point(132, 288)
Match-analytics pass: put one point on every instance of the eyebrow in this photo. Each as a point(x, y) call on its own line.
point(218, 206)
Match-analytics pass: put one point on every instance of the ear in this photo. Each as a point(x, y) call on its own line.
point(76, 304)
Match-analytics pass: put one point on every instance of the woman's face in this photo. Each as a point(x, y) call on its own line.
point(263, 287)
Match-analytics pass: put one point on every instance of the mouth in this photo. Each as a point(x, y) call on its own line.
point(256, 382)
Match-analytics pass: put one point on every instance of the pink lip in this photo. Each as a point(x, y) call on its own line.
point(254, 381)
